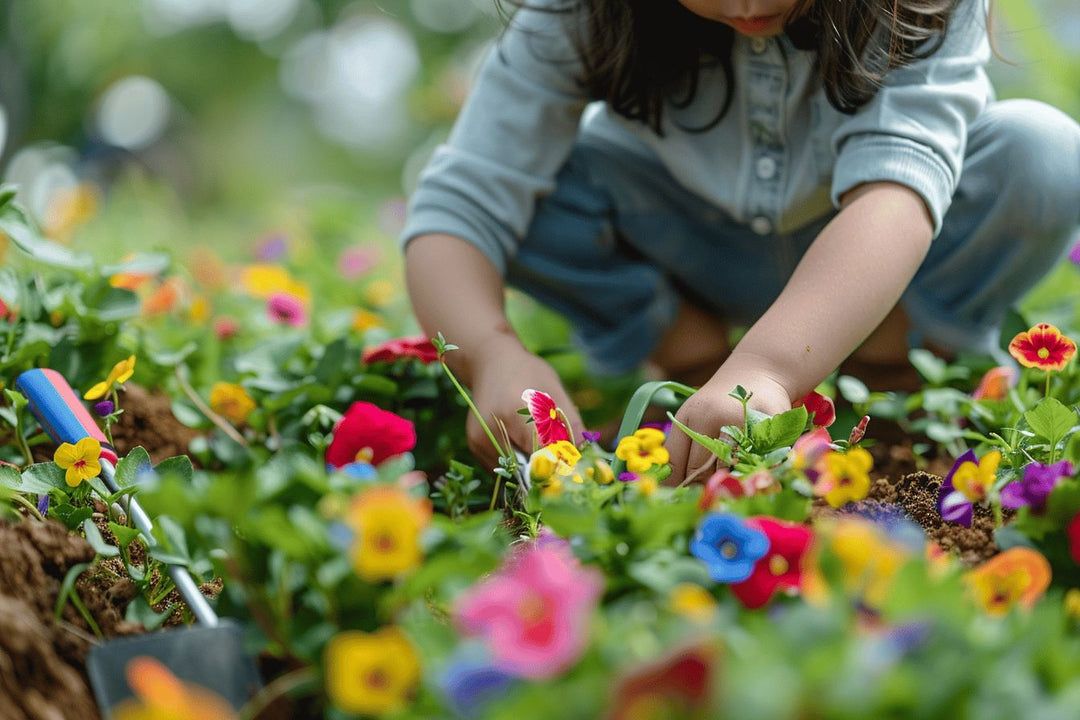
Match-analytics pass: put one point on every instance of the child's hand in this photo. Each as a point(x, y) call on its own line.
point(711, 408)
point(501, 373)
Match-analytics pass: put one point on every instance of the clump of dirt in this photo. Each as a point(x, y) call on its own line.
point(42, 674)
point(148, 421)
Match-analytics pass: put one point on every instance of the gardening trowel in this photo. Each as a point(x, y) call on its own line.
point(210, 656)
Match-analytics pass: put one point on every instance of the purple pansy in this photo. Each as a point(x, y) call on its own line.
point(953, 508)
point(104, 408)
point(1036, 485)
point(590, 436)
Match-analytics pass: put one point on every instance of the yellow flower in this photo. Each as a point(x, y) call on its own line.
point(379, 293)
point(160, 695)
point(693, 602)
point(199, 310)
point(846, 477)
point(1072, 604)
point(81, 460)
point(231, 401)
point(642, 450)
point(869, 560)
point(120, 374)
point(364, 320)
point(371, 673)
point(388, 522)
point(975, 480)
point(552, 487)
point(541, 466)
point(646, 486)
point(68, 209)
point(264, 280)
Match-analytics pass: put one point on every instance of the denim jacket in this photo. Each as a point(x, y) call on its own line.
point(779, 159)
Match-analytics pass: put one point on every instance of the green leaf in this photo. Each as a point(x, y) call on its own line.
point(41, 478)
point(68, 586)
point(1051, 420)
point(124, 535)
point(187, 414)
point(662, 570)
point(172, 358)
point(778, 431)
point(152, 263)
point(929, 365)
point(16, 398)
point(852, 389)
point(129, 467)
point(93, 536)
point(139, 611)
point(117, 304)
point(716, 446)
point(24, 234)
point(71, 516)
point(332, 364)
point(178, 466)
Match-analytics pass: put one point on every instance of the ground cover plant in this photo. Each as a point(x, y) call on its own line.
point(323, 496)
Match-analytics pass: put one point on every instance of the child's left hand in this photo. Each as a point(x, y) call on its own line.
point(711, 408)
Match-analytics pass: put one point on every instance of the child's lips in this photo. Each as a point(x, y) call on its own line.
point(755, 25)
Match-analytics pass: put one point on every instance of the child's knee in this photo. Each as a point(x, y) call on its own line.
point(1035, 149)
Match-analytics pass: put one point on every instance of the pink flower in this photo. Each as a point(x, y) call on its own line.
point(550, 427)
point(418, 347)
point(286, 309)
point(821, 407)
point(369, 434)
point(534, 611)
point(356, 260)
point(225, 328)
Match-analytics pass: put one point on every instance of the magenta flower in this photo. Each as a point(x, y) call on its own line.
point(1074, 254)
point(1036, 485)
point(534, 611)
point(286, 309)
point(550, 426)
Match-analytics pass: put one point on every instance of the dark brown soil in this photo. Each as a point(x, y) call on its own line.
point(42, 660)
point(148, 421)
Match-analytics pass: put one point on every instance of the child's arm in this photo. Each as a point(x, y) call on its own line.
point(456, 290)
point(847, 282)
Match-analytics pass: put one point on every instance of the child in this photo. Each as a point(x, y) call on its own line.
point(834, 173)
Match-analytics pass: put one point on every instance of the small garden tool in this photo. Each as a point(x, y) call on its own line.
point(210, 656)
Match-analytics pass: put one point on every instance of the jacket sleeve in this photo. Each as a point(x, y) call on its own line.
point(914, 131)
point(514, 133)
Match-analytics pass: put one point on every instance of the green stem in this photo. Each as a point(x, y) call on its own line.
point(280, 686)
point(472, 406)
point(19, 499)
point(1046, 393)
point(78, 603)
point(999, 519)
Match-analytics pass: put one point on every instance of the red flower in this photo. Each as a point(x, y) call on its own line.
point(674, 686)
point(722, 485)
point(550, 427)
point(1042, 347)
point(418, 347)
point(820, 407)
point(6, 312)
point(369, 434)
point(782, 566)
point(1073, 533)
point(995, 383)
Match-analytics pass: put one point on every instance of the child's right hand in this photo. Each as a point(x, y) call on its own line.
point(500, 374)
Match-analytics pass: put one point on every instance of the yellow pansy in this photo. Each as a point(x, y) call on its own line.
point(869, 560)
point(120, 374)
point(642, 450)
point(371, 673)
point(846, 476)
point(231, 401)
point(82, 460)
point(975, 480)
point(365, 320)
point(693, 602)
point(388, 522)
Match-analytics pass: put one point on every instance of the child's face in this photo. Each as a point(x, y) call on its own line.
point(755, 18)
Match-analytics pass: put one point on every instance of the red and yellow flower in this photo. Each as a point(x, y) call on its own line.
point(82, 460)
point(1042, 347)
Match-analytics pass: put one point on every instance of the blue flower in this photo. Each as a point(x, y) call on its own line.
point(728, 547)
point(470, 683)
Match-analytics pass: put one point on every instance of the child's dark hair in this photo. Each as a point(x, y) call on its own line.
point(636, 54)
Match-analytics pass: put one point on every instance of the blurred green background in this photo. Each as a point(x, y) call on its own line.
point(145, 124)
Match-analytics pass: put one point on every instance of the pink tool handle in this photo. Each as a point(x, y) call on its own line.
point(60, 411)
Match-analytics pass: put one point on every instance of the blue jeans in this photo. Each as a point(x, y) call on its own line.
point(619, 243)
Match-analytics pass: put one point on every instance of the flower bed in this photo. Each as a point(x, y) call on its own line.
point(309, 468)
